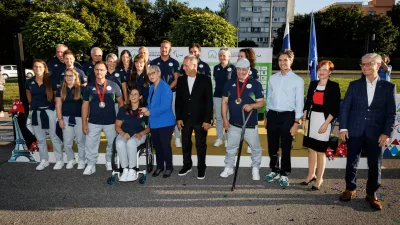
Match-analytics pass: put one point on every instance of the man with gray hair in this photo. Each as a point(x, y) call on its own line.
point(243, 95)
point(194, 110)
point(367, 116)
point(96, 53)
point(56, 65)
point(145, 53)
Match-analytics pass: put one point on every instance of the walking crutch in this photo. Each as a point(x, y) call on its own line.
point(240, 146)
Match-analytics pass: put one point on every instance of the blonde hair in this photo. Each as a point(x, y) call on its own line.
point(76, 92)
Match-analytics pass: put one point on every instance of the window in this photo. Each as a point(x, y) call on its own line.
point(279, 9)
point(278, 19)
point(14, 67)
point(245, 29)
point(245, 19)
point(256, 29)
point(245, 9)
point(7, 68)
point(371, 13)
point(262, 39)
point(257, 9)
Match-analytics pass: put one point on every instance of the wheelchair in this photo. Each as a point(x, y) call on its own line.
point(145, 149)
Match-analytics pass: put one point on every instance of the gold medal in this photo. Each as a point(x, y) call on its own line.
point(102, 104)
point(238, 101)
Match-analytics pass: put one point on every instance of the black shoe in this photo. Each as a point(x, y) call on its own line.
point(167, 173)
point(184, 171)
point(157, 172)
point(315, 188)
point(306, 183)
point(201, 174)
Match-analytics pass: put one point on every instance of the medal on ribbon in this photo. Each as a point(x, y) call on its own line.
point(102, 104)
point(239, 91)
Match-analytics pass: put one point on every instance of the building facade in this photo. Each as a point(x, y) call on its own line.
point(373, 7)
point(252, 17)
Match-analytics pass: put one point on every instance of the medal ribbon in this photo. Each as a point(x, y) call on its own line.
point(239, 92)
point(101, 95)
point(133, 112)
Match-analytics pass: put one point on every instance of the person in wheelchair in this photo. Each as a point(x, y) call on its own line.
point(131, 128)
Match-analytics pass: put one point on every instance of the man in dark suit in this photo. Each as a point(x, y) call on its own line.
point(366, 119)
point(194, 109)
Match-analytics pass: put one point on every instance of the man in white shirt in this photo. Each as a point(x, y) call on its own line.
point(194, 110)
point(367, 116)
point(285, 102)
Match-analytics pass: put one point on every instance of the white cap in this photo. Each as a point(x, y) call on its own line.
point(243, 63)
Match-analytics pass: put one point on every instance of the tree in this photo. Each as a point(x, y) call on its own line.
point(247, 43)
point(168, 11)
point(207, 29)
point(223, 9)
point(44, 31)
point(339, 36)
point(385, 32)
point(147, 34)
point(394, 15)
point(110, 22)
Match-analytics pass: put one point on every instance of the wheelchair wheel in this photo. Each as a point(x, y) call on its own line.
point(111, 180)
point(150, 162)
point(114, 158)
point(142, 179)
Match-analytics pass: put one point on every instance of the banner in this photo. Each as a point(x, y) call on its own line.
point(393, 149)
point(210, 56)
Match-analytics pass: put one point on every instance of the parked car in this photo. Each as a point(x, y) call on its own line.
point(11, 71)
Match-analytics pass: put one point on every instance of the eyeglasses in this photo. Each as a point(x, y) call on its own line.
point(368, 64)
point(151, 73)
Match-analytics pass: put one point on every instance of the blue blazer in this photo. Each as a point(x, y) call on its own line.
point(378, 118)
point(160, 106)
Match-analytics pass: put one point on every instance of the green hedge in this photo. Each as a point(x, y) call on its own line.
point(300, 63)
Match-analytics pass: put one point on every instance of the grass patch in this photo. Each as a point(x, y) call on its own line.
point(11, 88)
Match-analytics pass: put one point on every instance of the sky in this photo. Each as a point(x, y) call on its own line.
point(301, 6)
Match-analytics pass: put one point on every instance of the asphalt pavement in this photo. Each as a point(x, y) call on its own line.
point(67, 197)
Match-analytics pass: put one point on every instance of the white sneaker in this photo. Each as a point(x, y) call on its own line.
point(70, 165)
point(178, 143)
point(90, 169)
point(81, 165)
point(132, 175)
point(59, 165)
point(227, 172)
point(256, 173)
point(1, 114)
point(108, 166)
point(217, 143)
point(248, 150)
point(124, 175)
point(43, 164)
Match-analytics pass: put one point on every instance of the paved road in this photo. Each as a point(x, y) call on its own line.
point(67, 197)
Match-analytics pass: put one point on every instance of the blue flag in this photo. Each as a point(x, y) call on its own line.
point(312, 54)
point(286, 37)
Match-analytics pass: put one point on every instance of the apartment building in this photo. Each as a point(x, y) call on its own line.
point(252, 17)
point(371, 8)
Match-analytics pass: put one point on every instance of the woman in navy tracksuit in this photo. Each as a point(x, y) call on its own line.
point(69, 110)
point(40, 94)
point(131, 127)
point(138, 78)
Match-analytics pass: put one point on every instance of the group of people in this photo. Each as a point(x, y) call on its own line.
point(129, 98)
